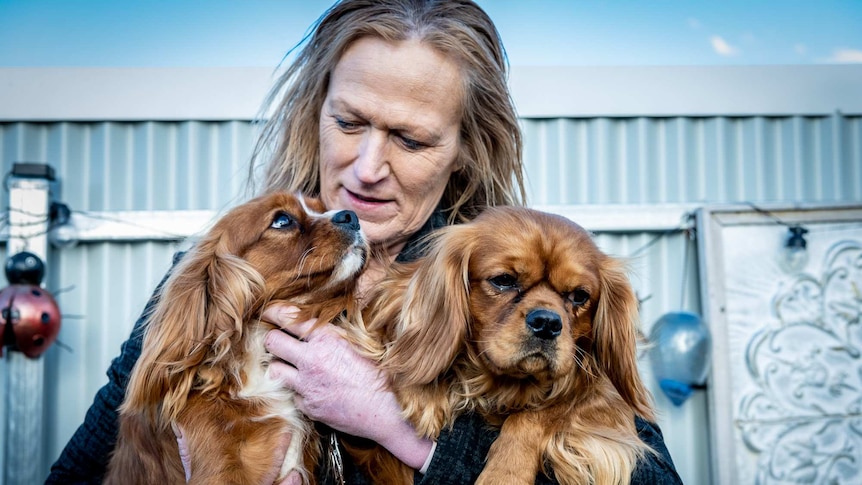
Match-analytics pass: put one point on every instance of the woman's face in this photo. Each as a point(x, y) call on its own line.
point(389, 136)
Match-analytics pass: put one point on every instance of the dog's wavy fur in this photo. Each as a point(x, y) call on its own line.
point(203, 365)
point(453, 330)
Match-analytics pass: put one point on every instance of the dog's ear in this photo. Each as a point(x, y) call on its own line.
point(616, 336)
point(196, 322)
point(435, 311)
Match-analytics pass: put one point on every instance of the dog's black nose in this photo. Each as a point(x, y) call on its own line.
point(347, 219)
point(544, 324)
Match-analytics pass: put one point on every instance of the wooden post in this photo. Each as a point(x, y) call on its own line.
point(29, 188)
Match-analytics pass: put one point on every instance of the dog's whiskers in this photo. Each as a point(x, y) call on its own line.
point(300, 266)
point(579, 357)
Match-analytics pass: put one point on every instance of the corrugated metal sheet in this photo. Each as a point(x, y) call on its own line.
point(708, 159)
point(110, 166)
point(202, 165)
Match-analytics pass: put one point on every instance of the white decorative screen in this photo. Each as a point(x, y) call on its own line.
point(786, 386)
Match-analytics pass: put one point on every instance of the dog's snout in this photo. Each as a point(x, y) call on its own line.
point(347, 219)
point(544, 324)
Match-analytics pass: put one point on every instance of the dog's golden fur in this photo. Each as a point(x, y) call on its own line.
point(517, 316)
point(203, 365)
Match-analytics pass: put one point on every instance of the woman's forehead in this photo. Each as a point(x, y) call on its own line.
point(399, 80)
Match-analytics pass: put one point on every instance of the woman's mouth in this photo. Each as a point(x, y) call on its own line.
point(366, 199)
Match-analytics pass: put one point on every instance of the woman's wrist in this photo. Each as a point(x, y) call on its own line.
point(401, 440)
point(412, 450)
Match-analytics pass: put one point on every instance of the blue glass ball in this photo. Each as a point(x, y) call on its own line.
point(680, 352)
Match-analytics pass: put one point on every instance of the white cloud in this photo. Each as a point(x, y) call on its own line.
point(693, 23)
point(721, 47)
point(846, 56)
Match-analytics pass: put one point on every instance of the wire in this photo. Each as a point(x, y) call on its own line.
point(53, 224)
point(685, 265)
point(654, 240)
point(129, 223)
point(63, 290)
point(685, 226)
point(768, 214)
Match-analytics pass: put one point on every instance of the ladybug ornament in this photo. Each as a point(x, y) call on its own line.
point(29, 315)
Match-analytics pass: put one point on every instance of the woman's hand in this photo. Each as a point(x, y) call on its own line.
point(292, 478)
point(337, 386)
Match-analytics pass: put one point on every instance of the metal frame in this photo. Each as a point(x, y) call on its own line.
point(101, 226)
point(101, 94)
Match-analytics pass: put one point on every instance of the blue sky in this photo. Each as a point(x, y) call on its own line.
point(196, 33)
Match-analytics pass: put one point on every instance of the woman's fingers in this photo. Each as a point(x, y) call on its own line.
point(292, 478)
point(284, 373)
point(285, 316)
point(290, 344)
point(279, 451)
point(182, 444)
point(280, 314)
point(286, 344)
point(298, 364)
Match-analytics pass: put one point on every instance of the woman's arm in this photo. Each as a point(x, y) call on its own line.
point(461, 451)
point(655, 469)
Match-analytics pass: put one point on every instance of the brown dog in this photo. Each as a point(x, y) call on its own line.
point(518, 316)
point(203, 364)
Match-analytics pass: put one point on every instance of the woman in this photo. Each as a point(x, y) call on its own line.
point(399, 111)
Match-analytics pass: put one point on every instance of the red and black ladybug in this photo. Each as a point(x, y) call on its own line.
point(29, 315)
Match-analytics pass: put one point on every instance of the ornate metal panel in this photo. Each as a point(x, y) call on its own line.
point(787, 379)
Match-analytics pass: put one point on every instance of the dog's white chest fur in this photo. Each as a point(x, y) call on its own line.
point(259, 385)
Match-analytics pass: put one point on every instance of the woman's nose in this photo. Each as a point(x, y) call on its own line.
point(371, 164)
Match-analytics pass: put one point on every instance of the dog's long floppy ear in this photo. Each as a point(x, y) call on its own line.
point(197, 320)
point(435, 312)
point(616, 336)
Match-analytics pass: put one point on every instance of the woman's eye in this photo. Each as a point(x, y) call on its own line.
point(346, 125)
point(579, 297)
point(504, 282)
point(410, 143)
point(282, 220)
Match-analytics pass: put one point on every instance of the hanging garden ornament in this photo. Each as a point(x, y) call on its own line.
point(29, 315)
point(25, 268)
point(680, 351)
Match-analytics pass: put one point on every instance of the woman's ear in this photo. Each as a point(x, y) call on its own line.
point(435, 311)
point(616, 336)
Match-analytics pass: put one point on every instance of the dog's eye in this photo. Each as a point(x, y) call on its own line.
point(504, 282)
point(579, 297)
point(282, 220)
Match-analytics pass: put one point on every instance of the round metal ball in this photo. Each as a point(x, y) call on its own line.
point(24, 268)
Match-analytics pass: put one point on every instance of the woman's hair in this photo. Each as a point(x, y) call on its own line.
point(490, 165)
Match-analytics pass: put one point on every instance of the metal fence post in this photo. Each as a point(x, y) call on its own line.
point(29, 188)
